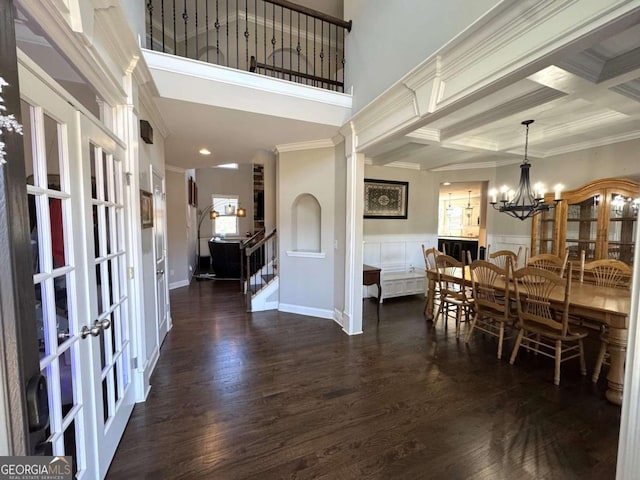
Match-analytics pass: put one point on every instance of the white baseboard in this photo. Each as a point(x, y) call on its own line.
point(142, 376)
point(337, 316)
point(181, 283)
point(309, 311)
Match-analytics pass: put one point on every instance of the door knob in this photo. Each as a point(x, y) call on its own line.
point(93, 331)
point(104, 324)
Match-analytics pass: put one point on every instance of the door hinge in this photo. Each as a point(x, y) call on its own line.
point(127, 176)
point(130, 273)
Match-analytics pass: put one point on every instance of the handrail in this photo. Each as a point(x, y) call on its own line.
point(312, 13)
point(248, 251)
point(247, 242)
point(275, 38)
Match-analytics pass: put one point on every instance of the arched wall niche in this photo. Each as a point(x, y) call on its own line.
point(306, 219)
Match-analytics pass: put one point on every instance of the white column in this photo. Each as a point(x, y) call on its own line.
point(629, 441)
point(352, 315)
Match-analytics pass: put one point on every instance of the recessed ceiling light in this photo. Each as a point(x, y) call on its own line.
point(446, 184)
point(233, 166)
point(204, 151)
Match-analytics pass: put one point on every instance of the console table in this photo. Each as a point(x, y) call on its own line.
point(371, 276)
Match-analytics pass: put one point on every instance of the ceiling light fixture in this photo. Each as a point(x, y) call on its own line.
point(523, 203)
point(204, 151)
point(469, 209)
point(449, 208)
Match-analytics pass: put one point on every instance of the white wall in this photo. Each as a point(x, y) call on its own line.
point(178, 229)
point(149, 155)
point(389, 38)
point(135, 12)
point(224, 181)
point(302, 278)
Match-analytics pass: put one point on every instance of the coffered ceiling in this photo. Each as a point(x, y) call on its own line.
point(587, 99)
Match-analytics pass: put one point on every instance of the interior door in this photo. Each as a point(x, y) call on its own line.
point(160, 255)
point(59, 265)
point(106, 244)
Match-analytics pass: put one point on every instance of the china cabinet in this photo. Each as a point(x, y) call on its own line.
point(599, 218)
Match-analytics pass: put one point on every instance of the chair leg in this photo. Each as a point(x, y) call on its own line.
point(514, 354)
point(583, 365)
point(599, 362)
point(473, 324)
point(556, 376)
point(500, 340)
point(458, 320)
point(438, 313)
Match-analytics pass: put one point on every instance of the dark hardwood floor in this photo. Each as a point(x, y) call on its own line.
point(275, 395)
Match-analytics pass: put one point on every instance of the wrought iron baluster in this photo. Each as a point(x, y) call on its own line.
point(290, 43)
point(228, 60)
point(175, 33)
point(329, 57)
point(273, 38)
point(206, 26)
point(315, 41)
point(264, 18)
point(282, 39)
point(255, 24)
point(197, 57)
point(163, 34)
point(343, 34)
point(298, 47)
point(337, 55)
point(185, 17)
point(246, 32)
point(237, 37)
point(217, 25)
point(306, 47)
point(150, 9)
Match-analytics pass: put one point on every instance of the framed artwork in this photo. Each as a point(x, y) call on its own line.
point(146, 209)
point(190, 190)
point(195, 194)
point(385, 199)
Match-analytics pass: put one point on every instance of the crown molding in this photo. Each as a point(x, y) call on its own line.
point(174, 169)
point(310, 145)
point(601, 142)
point(406, 165)
point(469, 166)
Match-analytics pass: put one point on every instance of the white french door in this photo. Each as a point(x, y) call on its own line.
point(78, 232)
point(106, 240)
point(160, 256)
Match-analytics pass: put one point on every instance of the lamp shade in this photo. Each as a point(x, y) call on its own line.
point(241, 212)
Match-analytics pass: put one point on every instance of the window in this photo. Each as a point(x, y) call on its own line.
point(224, 223)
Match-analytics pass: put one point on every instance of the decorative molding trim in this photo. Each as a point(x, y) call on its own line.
point(301, 254)
point(179, 284)
point(623, 137)
point(471, 166)
point(427, 135)
point(308, 311)
point(174, 169)
point(167, 62)
point(310, 145)
point(337, 316)
point(407, 165)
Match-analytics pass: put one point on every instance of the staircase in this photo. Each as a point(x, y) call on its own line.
point(260, 272)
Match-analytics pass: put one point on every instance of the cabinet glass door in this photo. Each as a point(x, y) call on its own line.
point(582, 228)
point(545, 224)
point(623, 214)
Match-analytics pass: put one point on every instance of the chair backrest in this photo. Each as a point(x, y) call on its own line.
point(550, 262)
point(501, 258)
point(490, 288)
point(450, 277)
point(533, 296)
point(430, 255)
point(609, 273)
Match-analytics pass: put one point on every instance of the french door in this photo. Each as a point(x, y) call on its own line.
point(78, 239)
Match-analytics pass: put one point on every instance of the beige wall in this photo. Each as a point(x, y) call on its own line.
point(312, 172)
point(177, 228)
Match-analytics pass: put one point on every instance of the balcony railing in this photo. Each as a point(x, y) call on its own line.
point(271, 37)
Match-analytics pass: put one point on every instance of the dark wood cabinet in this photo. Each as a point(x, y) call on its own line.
point(225, 258)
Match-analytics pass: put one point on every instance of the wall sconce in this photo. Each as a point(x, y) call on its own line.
point(241, 212)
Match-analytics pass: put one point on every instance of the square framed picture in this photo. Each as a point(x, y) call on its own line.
point(385, 199)
point(146, 209)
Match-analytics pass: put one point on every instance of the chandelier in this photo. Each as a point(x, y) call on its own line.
point(449, 208)
point(524, 202)
point(469, 209)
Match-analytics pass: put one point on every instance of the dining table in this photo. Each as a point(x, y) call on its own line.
point(607, 306)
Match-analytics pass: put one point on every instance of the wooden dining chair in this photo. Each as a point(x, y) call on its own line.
point(491, 300)
point(454, 295)
point(606, 273)
point(544, 328)
point(549, 262)
point(430, 255)
point(502, 257)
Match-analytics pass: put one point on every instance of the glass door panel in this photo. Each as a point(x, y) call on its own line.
point(582, 228)
point(545, 225)
point(623, 214)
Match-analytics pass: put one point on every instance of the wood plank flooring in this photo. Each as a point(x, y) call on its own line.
point(273, 395)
